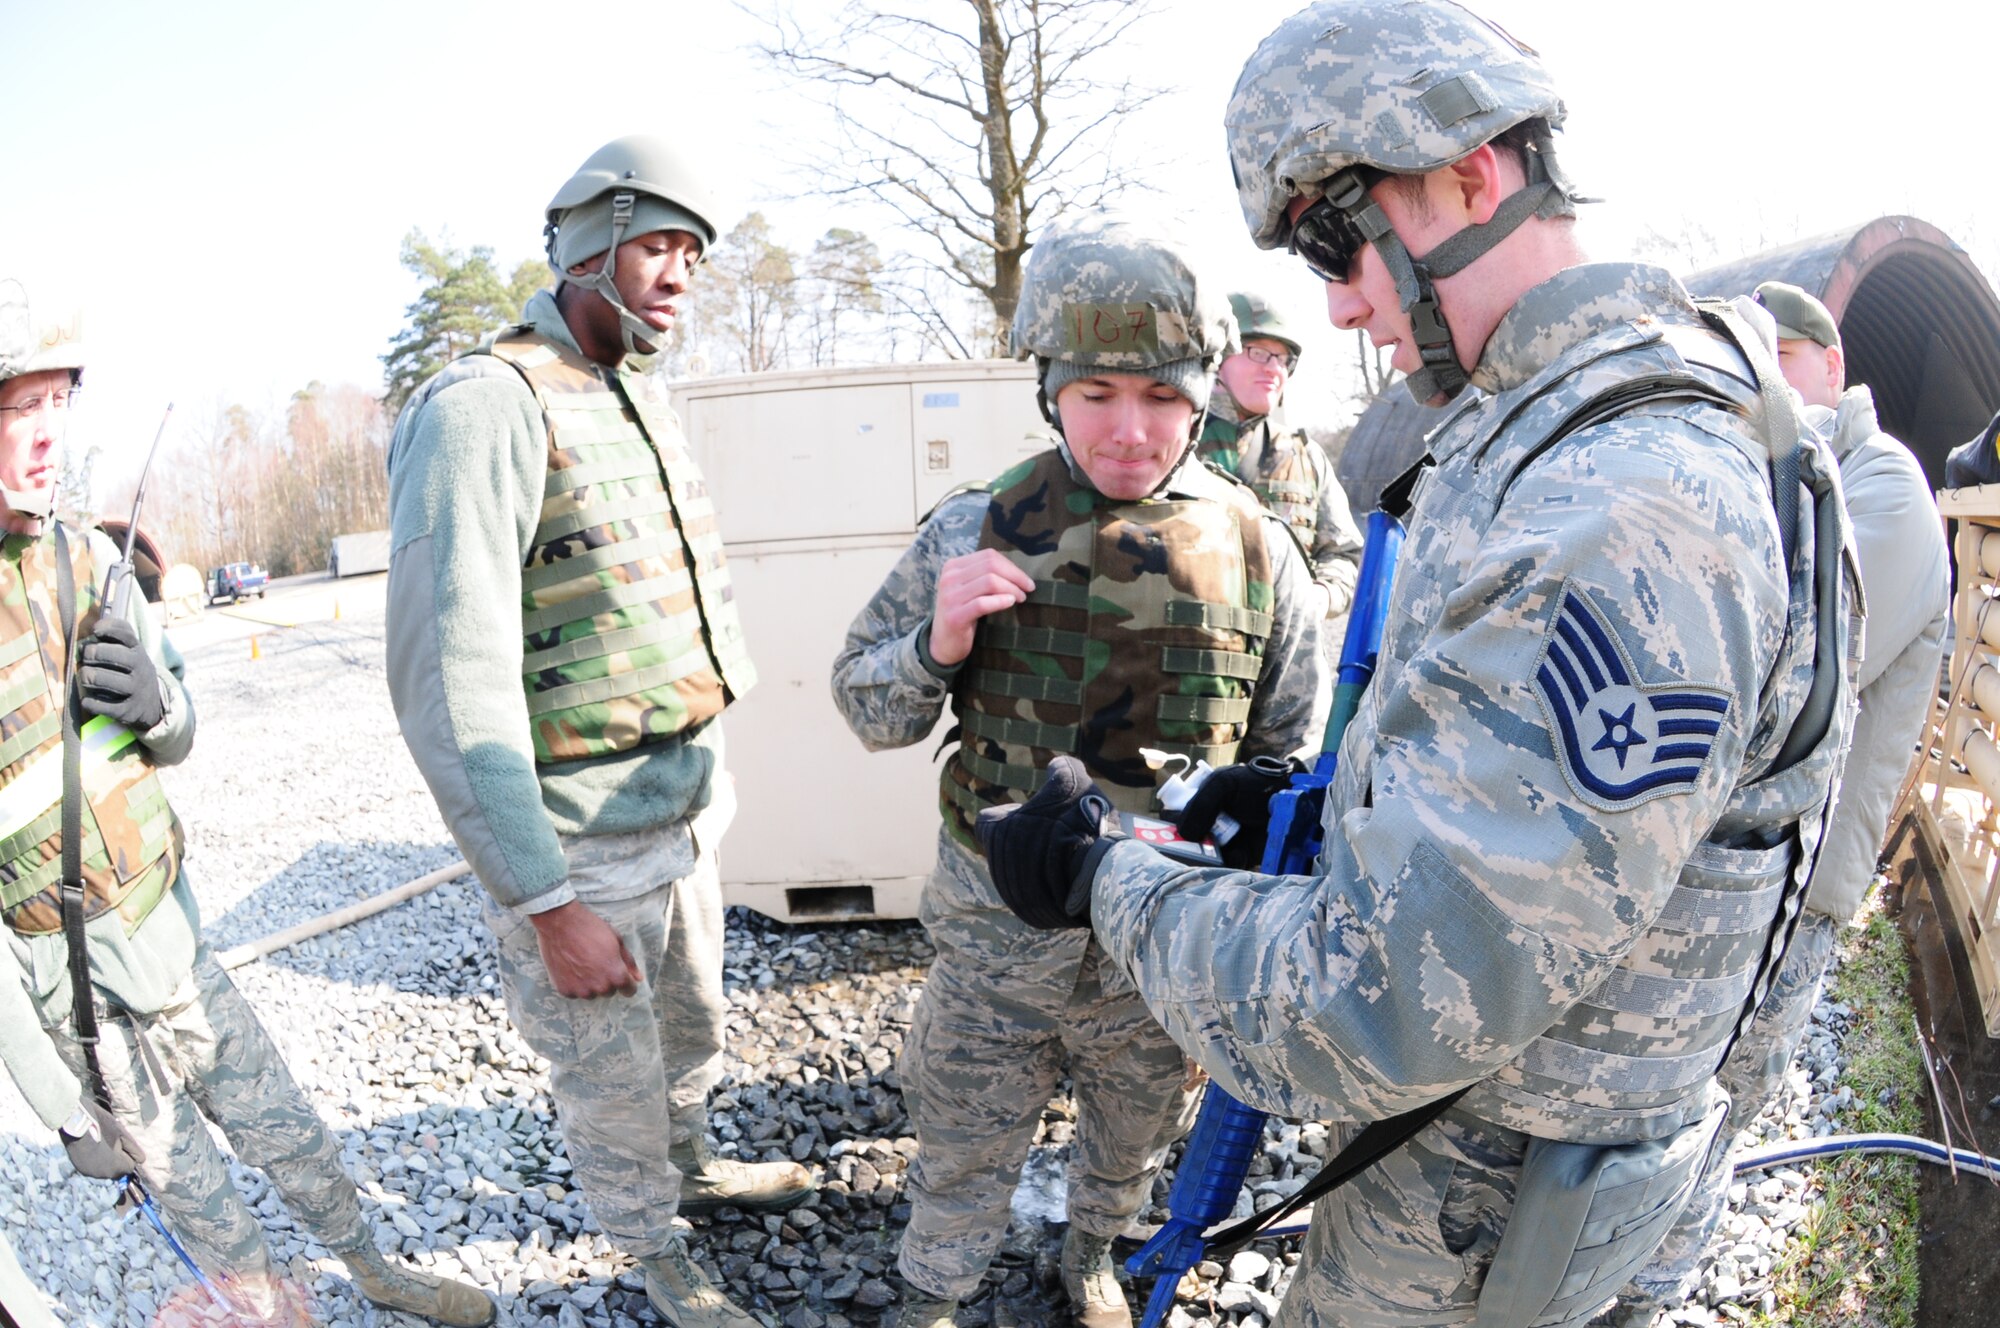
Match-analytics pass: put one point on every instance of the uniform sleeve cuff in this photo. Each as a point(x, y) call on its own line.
point(561, 893)
point(942, 672)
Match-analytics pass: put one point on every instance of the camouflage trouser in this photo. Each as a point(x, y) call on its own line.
point(206, 1050)
point(1751, 1076)
point(21, 1305)
point(1003, 1006)
point(628, 1072)
point(1408, 1241)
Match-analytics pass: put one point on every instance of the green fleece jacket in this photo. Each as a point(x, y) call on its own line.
point(135, 972)
point(467, 467)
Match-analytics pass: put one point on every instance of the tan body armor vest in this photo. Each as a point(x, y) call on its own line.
point(132, 840)
point(1146, 628)
point(628, 618)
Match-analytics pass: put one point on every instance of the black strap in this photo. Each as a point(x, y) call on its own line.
point(1375, 1142)
point(83, 1001)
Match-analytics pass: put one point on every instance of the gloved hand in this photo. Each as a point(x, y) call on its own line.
point(1244, 791)
point(118, 677)
point(1044, 852)
point(98, 1145)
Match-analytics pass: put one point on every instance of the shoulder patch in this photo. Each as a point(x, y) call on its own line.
point(1620, 739)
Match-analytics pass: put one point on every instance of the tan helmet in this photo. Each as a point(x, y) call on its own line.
point(1347, 91)
point(27, 348)
point(631, 186)
point(1109, 292)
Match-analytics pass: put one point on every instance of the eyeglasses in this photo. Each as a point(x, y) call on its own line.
point(1282, 359)
point(34, 406)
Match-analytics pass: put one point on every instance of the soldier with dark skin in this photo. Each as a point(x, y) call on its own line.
point(178, 1047)
point(1109, 597)
point(1578, 807)
point(562, 640)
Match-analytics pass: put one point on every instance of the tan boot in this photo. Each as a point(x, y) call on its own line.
point(921, 1311)
point(1092, 1282)
point(397, 1286)
point(709, 1182)
point(682, 1294)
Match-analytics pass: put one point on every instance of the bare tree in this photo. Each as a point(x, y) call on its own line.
point(976, 121)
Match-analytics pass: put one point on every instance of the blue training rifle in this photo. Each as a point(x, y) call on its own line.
point(1227, 1133)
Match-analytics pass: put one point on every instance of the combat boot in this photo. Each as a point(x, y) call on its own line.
point(1089, 1278)
point(397, 1286)
point(681, 1293)
point(709, 1182)
point(921, 1311)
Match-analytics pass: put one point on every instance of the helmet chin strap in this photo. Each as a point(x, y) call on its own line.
point(637, 335)
point(1442, 375)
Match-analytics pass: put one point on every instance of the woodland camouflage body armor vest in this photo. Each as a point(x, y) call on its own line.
point(132, 840)
point(629, 620)
point(1284, 478)
point(1146, 628)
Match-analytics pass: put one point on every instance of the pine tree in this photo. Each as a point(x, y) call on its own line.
point(464, 298)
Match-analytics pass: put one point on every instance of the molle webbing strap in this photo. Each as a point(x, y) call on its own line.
point(592, 691)
point(608, 598)
point(1022, 778)
point(1020, 732)
point(1205, 709)
point(1218, 663)
point(544, 575)
point(1218, 617)
point(1037, 640)
point(587, 647)
point(1030, 687)
point(1061, 594)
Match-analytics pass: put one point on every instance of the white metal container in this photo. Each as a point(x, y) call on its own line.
point(822, 477)
point(365, 551)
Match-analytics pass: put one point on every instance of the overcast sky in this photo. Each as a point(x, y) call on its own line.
point(224, 186)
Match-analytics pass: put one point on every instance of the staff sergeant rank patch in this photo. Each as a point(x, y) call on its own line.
point(1620, 741)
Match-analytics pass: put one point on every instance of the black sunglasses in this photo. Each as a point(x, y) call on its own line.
point(1326, 238)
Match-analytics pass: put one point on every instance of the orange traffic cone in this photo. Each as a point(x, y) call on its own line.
point(255, 653)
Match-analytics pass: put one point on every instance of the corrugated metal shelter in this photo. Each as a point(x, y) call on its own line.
point(1919, 323)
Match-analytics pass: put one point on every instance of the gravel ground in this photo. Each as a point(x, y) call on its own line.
point(300, 798)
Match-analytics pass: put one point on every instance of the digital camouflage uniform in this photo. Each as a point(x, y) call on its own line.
point(1005, 1006)
point(1906, 587)
point(561, 637)
point(179, 1045)
point(1561, 849)
point(1292, 476)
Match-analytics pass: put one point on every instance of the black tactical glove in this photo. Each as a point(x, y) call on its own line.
point(98, 1145)
point(118, 677)
point(1244, 792)
point(1044, 852)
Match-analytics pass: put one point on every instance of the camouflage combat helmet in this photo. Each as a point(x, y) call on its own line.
point(1347, 91)
point(1105, 293)
point(631, 186)
point(1256, 317)
point(26, 349)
